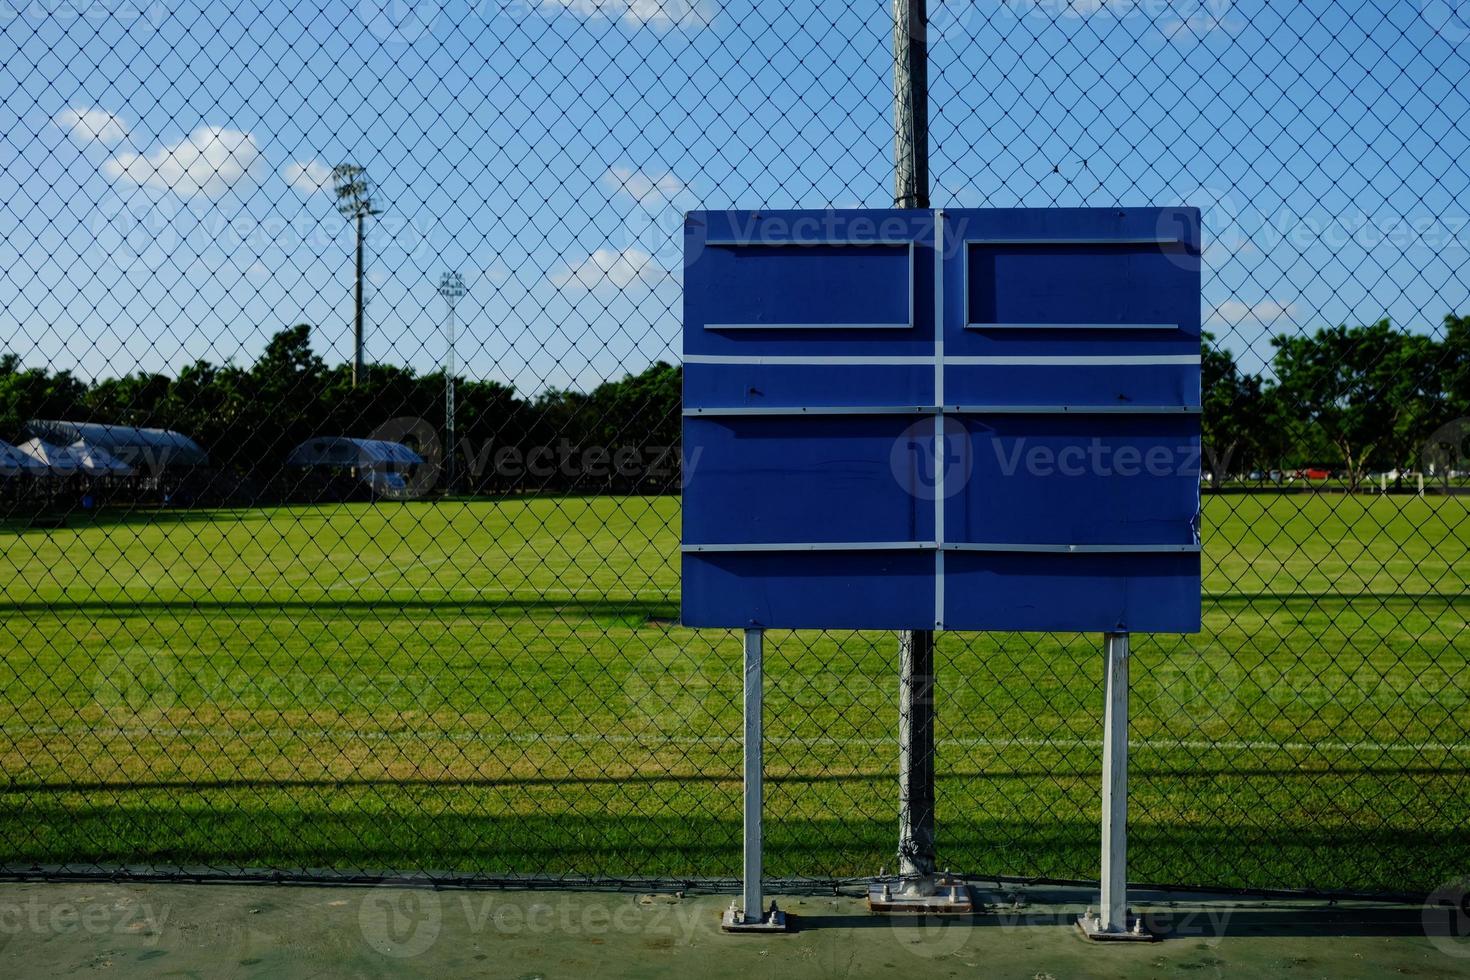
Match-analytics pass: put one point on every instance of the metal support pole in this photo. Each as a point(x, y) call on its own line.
point(1112, 921)
point(1114, 899)
point(916, 761)
point(357, 360)
point(910, 104)
point(754, 791)
point(449, 448)
point(916, 858)
point(753, 917)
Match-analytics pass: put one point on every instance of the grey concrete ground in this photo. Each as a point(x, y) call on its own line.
point(168, 930)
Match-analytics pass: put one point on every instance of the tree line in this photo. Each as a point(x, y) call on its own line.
point(1354, 399)
point(621, 436)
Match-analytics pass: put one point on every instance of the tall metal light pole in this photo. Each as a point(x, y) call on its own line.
point(354, 202)
point(451, 287)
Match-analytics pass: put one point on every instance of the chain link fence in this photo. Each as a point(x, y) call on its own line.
point(324, 625)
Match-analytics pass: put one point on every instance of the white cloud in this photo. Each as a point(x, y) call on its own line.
point(1196, 26)
point(497, 273)
point(208, 162)
point(611, 267)
point(1221, 250)
point(1181, 21)
point(1056, 9)
point(645, 188)
point(1234, 313)
point(89, 125)
point(662, 13)
point(310, 177)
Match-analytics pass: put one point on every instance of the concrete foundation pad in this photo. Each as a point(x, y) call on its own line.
point(735, 920)
point(146, 930)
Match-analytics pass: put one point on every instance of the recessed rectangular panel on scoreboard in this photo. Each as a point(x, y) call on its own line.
point(963, 419)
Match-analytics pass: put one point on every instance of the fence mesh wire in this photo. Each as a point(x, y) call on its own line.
point(273, 651)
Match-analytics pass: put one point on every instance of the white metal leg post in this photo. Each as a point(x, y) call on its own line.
point(1114, 899)
point(754, 917)
point(1111, 921)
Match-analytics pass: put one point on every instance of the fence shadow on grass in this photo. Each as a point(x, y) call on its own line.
point(239, 830)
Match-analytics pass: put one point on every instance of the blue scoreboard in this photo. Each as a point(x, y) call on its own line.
point(951, 419)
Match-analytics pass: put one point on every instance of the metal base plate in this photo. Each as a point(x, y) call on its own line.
point(734, 921)
point(951, 897)
point(1091, 926)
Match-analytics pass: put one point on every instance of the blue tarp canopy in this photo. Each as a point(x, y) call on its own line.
point(147, 449)
point(368, 454)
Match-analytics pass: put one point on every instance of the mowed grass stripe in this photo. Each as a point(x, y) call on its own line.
point(496, 686)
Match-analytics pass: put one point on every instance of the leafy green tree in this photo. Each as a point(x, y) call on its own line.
point(31, 393)
point(1454, 367)
point(1232, 411)
point(1363, 387)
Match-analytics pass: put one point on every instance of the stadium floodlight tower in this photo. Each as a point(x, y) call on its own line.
point(354, 195)
point(451, 287)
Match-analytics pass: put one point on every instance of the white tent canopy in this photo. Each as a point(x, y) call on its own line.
point(58, 460)
point(96, 461)
point(154, 449)
point(15, 462)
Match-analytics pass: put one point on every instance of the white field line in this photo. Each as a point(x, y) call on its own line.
point(412, 563)
point(347, 736)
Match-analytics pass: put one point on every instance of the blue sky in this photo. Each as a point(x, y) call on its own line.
point(160, 164)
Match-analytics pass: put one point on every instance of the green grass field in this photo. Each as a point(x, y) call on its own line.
point(499, 687)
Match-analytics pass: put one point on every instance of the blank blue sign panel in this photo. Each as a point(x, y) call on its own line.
point(788, 477)
point(1079, 479)
point(802, 287)
point(1074, 287)
point(977, 419)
